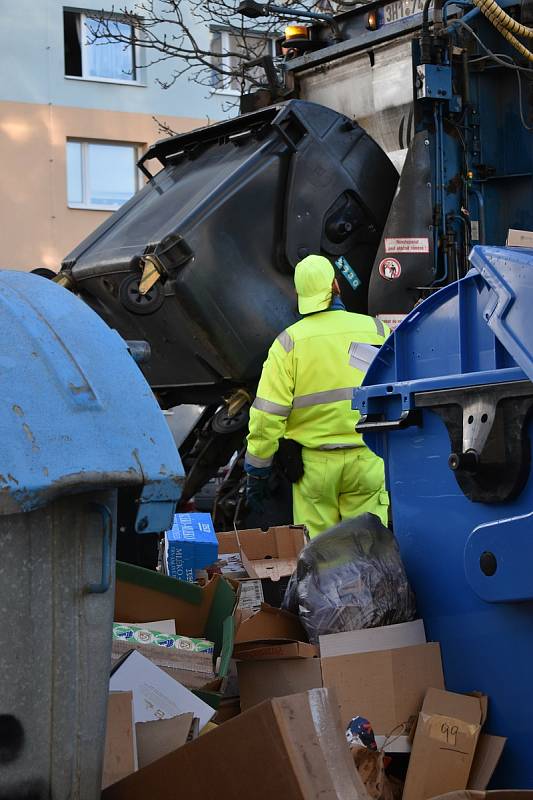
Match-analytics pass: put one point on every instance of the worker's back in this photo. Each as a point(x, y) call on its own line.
point(305, 395)
point(325, 376)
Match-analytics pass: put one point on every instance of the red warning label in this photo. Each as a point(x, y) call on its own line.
point(390, 269)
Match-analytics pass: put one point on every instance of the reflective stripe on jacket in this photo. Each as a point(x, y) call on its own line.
point(306, 387)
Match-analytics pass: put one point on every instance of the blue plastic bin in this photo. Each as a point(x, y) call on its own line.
point(447, 403)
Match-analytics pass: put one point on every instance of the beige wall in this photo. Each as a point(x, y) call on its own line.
point(37, 229)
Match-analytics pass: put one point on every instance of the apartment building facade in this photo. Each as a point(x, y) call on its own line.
point(75, 115)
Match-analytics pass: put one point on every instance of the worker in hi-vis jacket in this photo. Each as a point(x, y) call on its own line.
point(305, 395)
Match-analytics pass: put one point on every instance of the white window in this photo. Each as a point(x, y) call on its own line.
point(100, 175)
point(102, 58)
point(227, 72)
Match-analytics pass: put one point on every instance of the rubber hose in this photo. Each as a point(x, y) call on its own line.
point(501, 19)
point(506, 25)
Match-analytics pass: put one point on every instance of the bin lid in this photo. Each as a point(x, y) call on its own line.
point(76, 413)
point(472, 332)
point(509, 274)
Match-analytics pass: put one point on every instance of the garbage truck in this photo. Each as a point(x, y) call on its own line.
point(400, 136)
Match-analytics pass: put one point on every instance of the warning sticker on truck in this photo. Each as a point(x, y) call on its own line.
point(392, 320)
point(410, 245)
point(390, 269)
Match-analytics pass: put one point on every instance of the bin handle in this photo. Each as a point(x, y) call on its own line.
point(107, 521)
point(407, 418)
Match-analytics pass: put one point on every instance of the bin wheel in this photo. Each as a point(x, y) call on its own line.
point(223, 423)
point(138, 303)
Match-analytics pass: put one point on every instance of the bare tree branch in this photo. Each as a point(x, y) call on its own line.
point(204, 40)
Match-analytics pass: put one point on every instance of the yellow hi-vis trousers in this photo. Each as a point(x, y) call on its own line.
point(338, 485)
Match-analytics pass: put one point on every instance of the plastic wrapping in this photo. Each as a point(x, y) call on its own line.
point(350, 577)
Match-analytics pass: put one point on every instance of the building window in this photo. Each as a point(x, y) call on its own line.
point(100, 175)
point(251, 46)
point(102, 59)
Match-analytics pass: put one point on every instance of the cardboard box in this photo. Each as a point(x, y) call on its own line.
point(267, 651)
point(193, 670)
point(155, 694)
point(291, 748)
point(488, 752)
point(201, 612)
point(367, 640)
point(387, 686)
point(263, 680)
point(120, 756)
point(269, 556)
point(445, 742)
point(271, 633)
point(191, 544)
point(517, 238)
point(270, 624)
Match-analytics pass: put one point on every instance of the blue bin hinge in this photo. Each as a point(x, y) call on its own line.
point(490, 454)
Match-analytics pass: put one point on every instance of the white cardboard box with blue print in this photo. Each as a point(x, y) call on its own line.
point(190, 545)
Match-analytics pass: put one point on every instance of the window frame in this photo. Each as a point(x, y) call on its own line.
point(84, 205)
point(138, 69)
point(224, 34)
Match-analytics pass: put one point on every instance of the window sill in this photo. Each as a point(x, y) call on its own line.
point(81, 207)
point(116, 81)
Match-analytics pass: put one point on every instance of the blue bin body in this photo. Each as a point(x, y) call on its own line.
point(466, 536)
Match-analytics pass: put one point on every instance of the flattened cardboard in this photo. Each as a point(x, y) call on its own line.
point(368, 640)
point(155, 694)
point(387, 687)
point(158, 738)
point(291, 748)
point(488, 753)
point(269, 624)
point(266, 651)
point(445, 742)
point(120, 756)
point(263, 680)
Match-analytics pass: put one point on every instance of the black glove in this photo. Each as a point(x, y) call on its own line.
point(256, 493)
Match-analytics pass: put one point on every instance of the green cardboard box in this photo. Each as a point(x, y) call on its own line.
point(206, 612)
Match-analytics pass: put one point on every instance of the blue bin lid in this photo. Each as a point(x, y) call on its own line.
point(76, 413)
point(509, 274)
point(473, 332)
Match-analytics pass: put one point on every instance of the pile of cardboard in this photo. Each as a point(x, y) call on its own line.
point(226, 691)
point(392, 677)
point(291, 748)
point(149, 715)
point(381, 674)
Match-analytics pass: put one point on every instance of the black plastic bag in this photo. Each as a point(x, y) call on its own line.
point(350, 577)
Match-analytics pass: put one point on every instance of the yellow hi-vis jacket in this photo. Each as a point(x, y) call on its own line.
point(306, 387)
